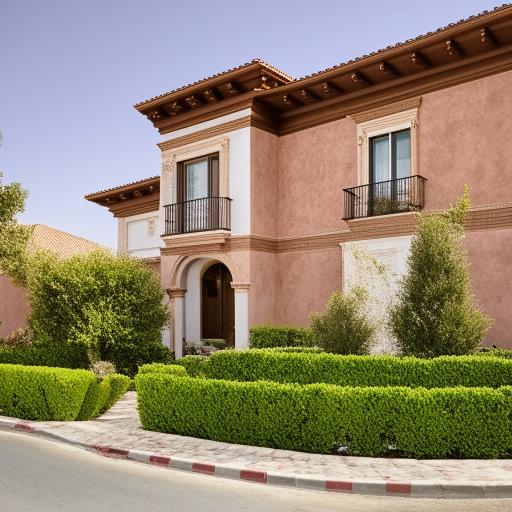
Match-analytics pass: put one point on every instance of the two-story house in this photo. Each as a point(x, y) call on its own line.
point(269, 182)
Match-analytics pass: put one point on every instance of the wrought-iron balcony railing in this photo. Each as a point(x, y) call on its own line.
point(205, 214)
point(385, 197)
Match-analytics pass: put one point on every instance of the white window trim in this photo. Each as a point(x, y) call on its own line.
point(387, 124)
point(170, 158)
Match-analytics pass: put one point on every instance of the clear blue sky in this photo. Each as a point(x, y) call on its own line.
point(71, 70)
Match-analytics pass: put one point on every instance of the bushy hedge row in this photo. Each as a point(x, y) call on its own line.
point(102, 395)
point(311, 368)
point(313, 350)
point(40, 393)
point(173, 369)
point(65, 356)
point(56, 394)
point(496, 352)
point(372, 421)
point(266, 336)
point(193, 364)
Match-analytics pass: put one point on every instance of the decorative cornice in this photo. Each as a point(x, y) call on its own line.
point(230, 126)
point(386, 110)
point(175, 293)
point(481, 218)
point(240, 287)
point(196, 239)
point(136, 206)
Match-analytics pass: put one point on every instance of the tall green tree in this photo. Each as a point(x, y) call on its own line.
point(13, 236)
point(111, 305)
point(435, 312)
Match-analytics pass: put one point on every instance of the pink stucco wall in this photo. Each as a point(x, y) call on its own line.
point(264, 288)
point(14, 307)
point(314, 166)
point(264, 183)
point(491, 275)
point(306, 279)
point(463, 138)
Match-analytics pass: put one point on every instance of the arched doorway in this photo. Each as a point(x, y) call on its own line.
point(218, 304)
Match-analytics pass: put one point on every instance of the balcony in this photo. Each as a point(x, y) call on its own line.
point(205, 214)
point(385, 197)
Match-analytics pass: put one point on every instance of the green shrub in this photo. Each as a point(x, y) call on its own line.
point(102, 395)
point(173, 369)
point(41, 393)
point(496, 352)
point(311, 368)
point(95, 398)
point(307, 350)
point(118, 385)
point(217, 343)
point(318, 418)
point(68, 355)
point(435, 312)
point(267, 336)
point(194, 364)
point(344, 327)
point(113, 306)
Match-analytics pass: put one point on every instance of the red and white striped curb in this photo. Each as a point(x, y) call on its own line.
point(417, 489)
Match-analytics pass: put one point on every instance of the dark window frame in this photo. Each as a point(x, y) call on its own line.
point(392, 148)
point(213, 176)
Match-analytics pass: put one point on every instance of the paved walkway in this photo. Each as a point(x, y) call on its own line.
point(119, 433)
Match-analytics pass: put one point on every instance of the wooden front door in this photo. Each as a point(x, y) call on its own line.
point(218, 304)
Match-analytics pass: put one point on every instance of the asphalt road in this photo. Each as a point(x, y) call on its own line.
point(43, 476)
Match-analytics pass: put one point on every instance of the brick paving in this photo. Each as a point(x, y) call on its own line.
point(120, 428)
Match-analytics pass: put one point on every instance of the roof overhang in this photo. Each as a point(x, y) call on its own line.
point(130, 199)
point(220, 94)
point(470, 49)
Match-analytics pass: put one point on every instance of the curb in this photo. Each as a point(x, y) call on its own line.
point(413, 489)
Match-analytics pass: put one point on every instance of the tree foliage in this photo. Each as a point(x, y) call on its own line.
point(344, 326)
point(435, 312)
point(13, 236)
point(111, 304)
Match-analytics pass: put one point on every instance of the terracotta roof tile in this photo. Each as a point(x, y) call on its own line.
point(247, 64)
point(64, 244)
point(408, 41)
point(138, 182)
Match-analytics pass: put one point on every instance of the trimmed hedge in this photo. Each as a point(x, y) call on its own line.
point(311, 368)
point(267, 336)
point(454, 422)
point(496, 352)
point(57, 394)
point(118, 385)
point(194, 364)
point(41, 393)
point(314, 350)
point(173, 369)
point(66, 356)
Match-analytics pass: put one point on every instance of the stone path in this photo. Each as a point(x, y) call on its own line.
point(119, 431)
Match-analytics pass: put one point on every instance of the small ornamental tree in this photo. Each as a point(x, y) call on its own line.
point(111, 304)
point(435, 312)
point(13, 236)
point(344, 326)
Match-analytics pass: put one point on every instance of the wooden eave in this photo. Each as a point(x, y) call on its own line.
point(474, 48)
point(218, 95)
point(144, 191)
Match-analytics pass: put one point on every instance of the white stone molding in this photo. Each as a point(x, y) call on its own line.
point(380, 126)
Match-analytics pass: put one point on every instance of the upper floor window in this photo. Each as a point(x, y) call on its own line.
point(198, 178)
point(390, 156)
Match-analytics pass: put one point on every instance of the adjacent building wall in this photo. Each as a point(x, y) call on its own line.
point(14, 307)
